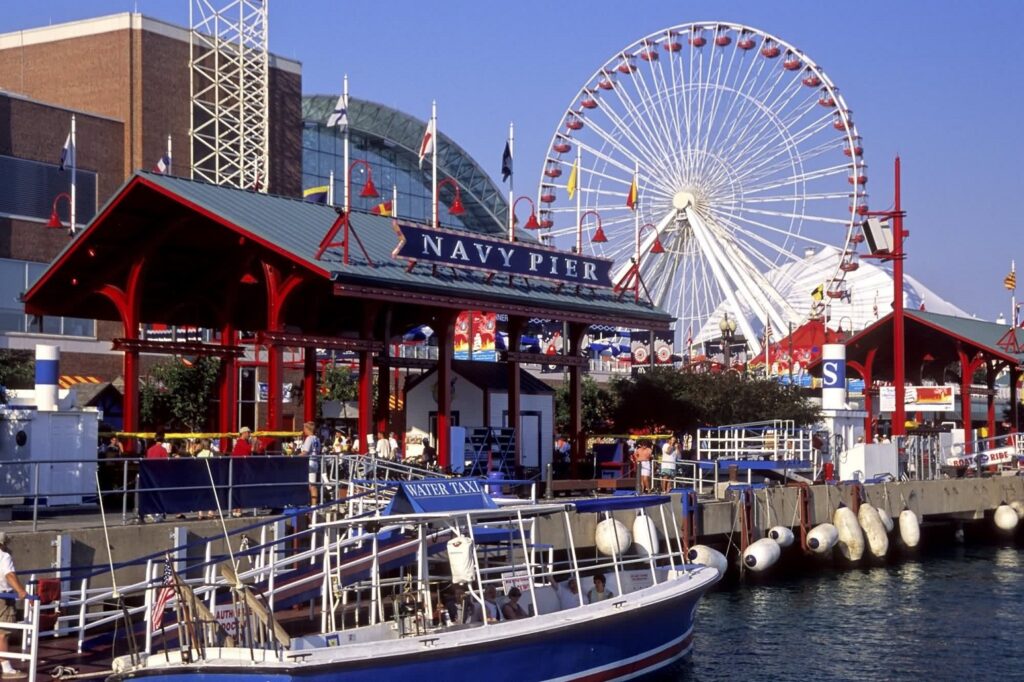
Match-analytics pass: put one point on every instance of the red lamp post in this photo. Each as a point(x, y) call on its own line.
point(531, 222)
point(456, 208)
point(599, 236)
point(55, 220)
point(369, 192)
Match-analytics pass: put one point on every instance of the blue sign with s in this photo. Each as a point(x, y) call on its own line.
point(833, 373)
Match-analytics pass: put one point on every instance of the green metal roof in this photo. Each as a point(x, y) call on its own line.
point(296, 228)
point(978, 332)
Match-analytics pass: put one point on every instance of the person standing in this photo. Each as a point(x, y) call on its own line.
point(642, 456)
point(393, 444)
point(9, 582)
point(383, 447)
point(310, 449)
point(669, 457)
point(243, 445)
point(157, 450)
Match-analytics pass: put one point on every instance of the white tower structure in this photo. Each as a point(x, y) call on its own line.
point(229, 74)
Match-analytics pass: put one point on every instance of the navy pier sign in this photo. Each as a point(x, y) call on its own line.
point(465, 250)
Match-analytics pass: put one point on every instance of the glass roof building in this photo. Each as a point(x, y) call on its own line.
point(389, 141)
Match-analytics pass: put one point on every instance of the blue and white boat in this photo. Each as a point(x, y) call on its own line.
point(421, 593)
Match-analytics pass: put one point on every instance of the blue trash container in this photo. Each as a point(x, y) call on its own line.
point(495, 476)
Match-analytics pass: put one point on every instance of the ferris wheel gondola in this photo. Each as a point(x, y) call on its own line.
point(744, 157)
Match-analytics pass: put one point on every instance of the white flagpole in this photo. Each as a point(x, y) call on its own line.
point(433, 158)
point(636, 214)
point(1013, 294)
point(330, 188)
point(170, 159)
point(344, 92)
point(74, 166)
point(579, 200)
point(394, 201)
point(511, 182)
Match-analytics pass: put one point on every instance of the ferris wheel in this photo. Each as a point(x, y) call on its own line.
point(708, 160)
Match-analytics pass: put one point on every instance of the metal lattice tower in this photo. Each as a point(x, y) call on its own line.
point(229, 74)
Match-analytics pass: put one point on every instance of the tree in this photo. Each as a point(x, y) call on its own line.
point(179, 395)
point(597, 403)
point(668, 400)
point(338, 382)
point(17, 370)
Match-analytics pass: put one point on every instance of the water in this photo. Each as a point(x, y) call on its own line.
point(951, 614)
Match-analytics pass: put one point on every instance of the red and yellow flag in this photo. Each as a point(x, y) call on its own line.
point(631, 197)
point(383, 209)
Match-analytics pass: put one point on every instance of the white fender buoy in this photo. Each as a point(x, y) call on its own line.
point(1006, 518)
point(822, 538)
point(781, 535)
point(851, 538)
point(762, 554)
point(645, 535)
point(874, 530)
point(886, 518)
point(1018, 507)
point(612, 538)
point(910, 529)
point(708, 556)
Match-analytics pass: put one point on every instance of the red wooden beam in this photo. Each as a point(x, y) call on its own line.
point(177, 347)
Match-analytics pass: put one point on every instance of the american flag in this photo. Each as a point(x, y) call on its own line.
point(163, 597)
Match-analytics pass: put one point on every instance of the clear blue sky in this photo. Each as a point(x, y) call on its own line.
point(937, 82)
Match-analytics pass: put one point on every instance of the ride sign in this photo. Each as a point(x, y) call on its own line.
point(467, 250)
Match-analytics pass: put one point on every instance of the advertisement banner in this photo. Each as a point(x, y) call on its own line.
point(918, 398)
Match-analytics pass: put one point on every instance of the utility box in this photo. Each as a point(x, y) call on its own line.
point(865, 461)
point(36, 449)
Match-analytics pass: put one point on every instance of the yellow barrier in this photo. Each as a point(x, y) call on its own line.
point(184, 436)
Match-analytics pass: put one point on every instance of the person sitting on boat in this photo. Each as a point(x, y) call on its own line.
point(459, 605)
point(569, 594)
point(598, 592)
point(512, 610)
point(489, 609)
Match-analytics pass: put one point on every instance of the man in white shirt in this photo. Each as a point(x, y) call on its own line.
point(311, 448)
point(8, 583)
point(383, 447)
point(393, 442)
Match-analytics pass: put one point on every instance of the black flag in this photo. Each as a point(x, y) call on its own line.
point(506, 163)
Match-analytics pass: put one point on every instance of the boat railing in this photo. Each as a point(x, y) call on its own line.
point(775, 440)
point(29, 627)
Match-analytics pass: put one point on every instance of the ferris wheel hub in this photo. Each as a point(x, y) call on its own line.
point(682, 200)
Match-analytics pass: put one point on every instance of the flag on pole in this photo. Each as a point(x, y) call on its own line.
point(506, 163)
point(427, 145)
point(163, 165)
point(339, 117)
point(316, 195)
point(383, 209)
point(631, 197)
point(1010, 281)
point(163, 597)
point(818, 293)
point(573, 178)
point(67, 154)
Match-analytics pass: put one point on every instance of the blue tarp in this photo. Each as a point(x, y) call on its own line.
point(600, 504)
point(177, 486)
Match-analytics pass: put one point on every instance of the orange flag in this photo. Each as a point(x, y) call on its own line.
point(631, 197)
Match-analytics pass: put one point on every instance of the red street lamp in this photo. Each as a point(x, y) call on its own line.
point(599, 236)
point(656, 247)
point(369, 189)
point(54, 220)
point(531, 222)
point(456, 208)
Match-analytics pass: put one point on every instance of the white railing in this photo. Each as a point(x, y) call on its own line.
point(29, 627)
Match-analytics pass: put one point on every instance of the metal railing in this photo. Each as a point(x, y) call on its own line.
point(29, 627)
point(775, 440)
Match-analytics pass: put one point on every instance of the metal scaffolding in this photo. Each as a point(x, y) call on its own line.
point(229, 78)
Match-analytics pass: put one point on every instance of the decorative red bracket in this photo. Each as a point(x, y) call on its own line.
point(342, 221)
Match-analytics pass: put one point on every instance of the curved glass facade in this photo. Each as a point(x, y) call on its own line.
point(389, 141)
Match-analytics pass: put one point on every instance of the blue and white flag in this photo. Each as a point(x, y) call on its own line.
point(67, 154)
point(163, 165)
point(340, 116)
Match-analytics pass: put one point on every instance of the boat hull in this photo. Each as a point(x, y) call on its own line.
point(619, 642)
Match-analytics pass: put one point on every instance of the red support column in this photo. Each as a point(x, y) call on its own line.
point(227, 381)
point(1014, 379)
point(866, 372)
point(309, 384)
point(365, 399)
point(899, 415)
point(576, 434)
point(445, 332)
point(967, 369)
point(127, 303)
point(275, 375)
point(279, 287)
point(990, 384)
point(515, 330)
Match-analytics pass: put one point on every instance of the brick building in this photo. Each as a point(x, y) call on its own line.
point(126, 79)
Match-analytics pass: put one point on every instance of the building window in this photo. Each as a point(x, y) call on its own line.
point(29, 188)
point(17, 277)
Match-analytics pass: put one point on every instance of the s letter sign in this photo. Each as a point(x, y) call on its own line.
point(833, 374)
point(467, 250)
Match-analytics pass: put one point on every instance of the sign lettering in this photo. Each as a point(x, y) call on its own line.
point(833, 373)
point(466, 250)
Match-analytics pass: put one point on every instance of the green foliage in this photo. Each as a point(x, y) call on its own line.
point(339, 383)
point(178, 396)
point(17, 369)
point(669, 400)
point(598, 405)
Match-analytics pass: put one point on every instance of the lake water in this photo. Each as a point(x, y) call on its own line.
point(953, 612)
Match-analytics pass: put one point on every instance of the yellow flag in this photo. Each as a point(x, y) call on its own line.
point(818, 293)
point(571, 187)
point(1010, 281)
point(631, 197)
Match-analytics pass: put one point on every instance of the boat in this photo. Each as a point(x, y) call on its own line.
point(412, 593)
